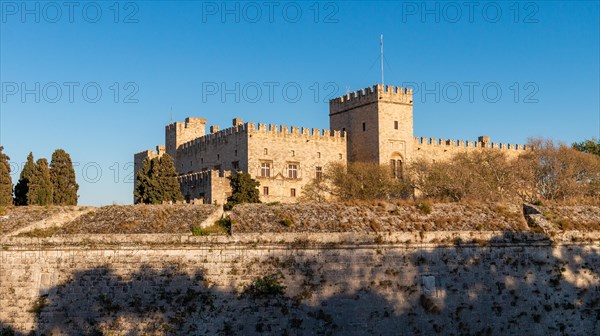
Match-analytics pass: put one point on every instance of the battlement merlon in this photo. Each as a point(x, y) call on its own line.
point(160, 150)
point(268, 130)
point(295, 131)
point(388, 93)
point(189, 122)
point(482, 142)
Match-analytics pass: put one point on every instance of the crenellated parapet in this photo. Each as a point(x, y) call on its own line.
point(218, 136)
point(201, 177)
point(140, 156)
point(189, 123)
point(372, 94)
point(271, 130)
point(481, 143)
point(291, 132)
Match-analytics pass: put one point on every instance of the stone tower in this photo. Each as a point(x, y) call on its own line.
point(379, 124)
point(179, 133)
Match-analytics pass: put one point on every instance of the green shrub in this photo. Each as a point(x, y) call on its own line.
point(424, 207)
point(40, 233)
point(286, 220)
point(429, 305)
point(221, 226)
point(38, 306)
point(198, 231)
point(266, 286)
point(225, 223)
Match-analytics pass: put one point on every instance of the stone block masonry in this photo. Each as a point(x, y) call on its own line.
point(348, 284)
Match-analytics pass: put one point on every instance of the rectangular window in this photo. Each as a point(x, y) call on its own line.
point(265, 169)
point(319, 173)
point(340, 156)
point(265, 151)
point(293, 171)
point(293, 153)
point(236, 152)
point(364, 127)
point(235, 165)
point(396, 124)
point(293, 192)
point(266, 191)
point(319, 155)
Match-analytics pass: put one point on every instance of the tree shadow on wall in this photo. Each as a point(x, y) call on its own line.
point(504, 287)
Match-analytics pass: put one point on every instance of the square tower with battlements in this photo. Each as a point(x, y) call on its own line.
point(379, 122)
point(179, 133)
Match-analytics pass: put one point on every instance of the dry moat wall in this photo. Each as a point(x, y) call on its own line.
point(478, 283)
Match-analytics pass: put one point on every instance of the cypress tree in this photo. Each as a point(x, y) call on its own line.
point(166, 176)
point(22, 187)
point(244, 190)
point(5, 180)
point(142, 183)
point(40, 186)
point(156, 182)
point(62, 175)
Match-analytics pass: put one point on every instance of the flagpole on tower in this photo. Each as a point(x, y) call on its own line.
point(381, 44)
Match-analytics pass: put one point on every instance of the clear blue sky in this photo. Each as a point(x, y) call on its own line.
point(173, 53)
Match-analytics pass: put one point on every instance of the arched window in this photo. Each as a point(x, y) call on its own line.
point(396, 167)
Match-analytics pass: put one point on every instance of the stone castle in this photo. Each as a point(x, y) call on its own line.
point(370, 125)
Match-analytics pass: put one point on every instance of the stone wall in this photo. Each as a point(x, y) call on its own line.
point(179, 133)
point(205, 187)
point(221, 150)
point(434, 149)
point(488, 283)
point(281, 146)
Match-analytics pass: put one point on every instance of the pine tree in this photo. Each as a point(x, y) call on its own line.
point(40, 186)
point(22, 187)
point(244, 190)
point(5, 180)
point(591, 146)
point(62, 175)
